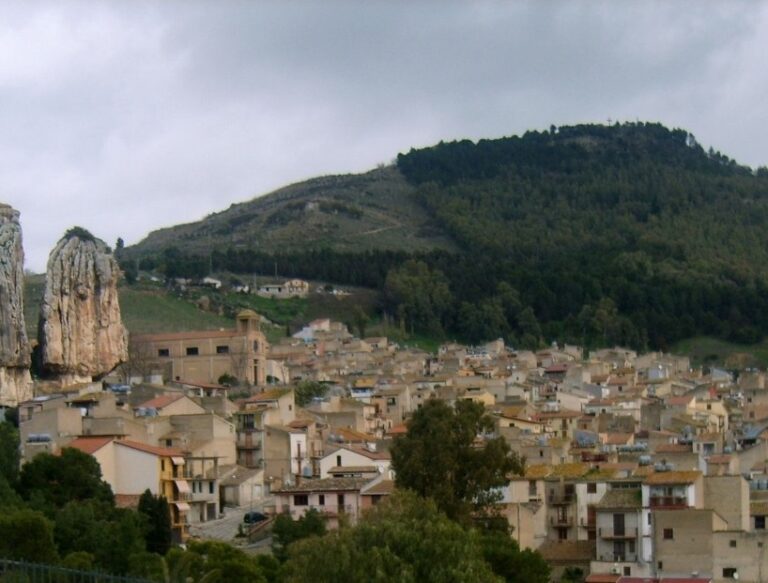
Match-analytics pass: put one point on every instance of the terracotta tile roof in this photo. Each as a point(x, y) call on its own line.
point(89, 445)
point(600, 474)
point(572, 470)
point(153, 449)
point(620, 498)
point(618, 438)
point(681, 401)
point(643, 471)
point(271, 395)
point(401, 429)
point(325, 485)
point(563, 414)
point(383, 488)
point(568, 550)
point(159, 402)
point(602, 578)
point(350, 435)
point(537, 472)
point(681, 477)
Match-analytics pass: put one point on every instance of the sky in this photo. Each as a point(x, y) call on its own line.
point(124, 117)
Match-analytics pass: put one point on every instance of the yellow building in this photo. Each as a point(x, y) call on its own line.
point(204, 356)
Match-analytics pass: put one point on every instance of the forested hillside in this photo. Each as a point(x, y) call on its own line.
point(629, 234)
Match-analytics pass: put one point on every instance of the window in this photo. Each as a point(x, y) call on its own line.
point(192, 351)
point(532, 491)
point(759, 522)
point(661, 565)
point(210, 487)
point(669, 534)
point(300, 500)
point(255, 345)
point(562, 533)
point(732, 544)
point(163, 352)
point(592, 488)
point(649, 519)
point(730, 572)
point(338, 460)
point(627, 571)
point(322, 500)
point(222, 349)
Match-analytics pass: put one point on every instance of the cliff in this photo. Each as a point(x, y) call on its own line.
point(15, 380)
point(81, 332)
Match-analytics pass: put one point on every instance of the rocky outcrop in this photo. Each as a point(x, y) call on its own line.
point(81, 333)
point(15, 380)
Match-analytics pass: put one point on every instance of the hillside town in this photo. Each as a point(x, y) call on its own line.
point(637, 465)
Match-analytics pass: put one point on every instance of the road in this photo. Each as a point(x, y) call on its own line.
point(226, 528)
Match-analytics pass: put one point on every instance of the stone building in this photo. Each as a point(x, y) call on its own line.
point(204, 356)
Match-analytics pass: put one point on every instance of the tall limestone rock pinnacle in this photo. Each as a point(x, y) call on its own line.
point(81, 332)
point(15, 380)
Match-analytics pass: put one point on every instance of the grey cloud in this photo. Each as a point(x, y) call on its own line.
point(125, 117)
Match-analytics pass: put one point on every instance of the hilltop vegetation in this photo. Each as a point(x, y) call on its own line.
point(630, 234)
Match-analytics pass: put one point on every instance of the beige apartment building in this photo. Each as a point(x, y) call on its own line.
point(204, 356)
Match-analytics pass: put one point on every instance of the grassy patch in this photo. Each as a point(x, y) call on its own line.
point(150, 312)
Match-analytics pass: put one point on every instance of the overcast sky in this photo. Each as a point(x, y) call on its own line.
point(126, 116)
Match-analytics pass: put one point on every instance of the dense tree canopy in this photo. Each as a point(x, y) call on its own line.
point(403, 540)
point(443, 456)
point(52, 481)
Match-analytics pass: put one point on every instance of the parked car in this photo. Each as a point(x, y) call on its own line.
point(253, 517)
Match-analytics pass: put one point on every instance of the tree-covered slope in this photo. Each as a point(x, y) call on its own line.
point(628, 233)
point(636, 214)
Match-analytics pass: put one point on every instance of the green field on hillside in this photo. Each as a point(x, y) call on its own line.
point(148, 312)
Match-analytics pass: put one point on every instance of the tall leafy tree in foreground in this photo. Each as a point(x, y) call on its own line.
point(446, 456)
point(404, 539)
point(158, 515)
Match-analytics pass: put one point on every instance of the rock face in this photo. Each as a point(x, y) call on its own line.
point(15, 380)
point(81, 333)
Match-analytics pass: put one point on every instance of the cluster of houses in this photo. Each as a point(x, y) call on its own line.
point(638, 467)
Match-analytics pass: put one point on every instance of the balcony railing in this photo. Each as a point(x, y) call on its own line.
point(614, 533)
point(668, 502)
point(618, 558)
point(249, 441)
point(562, 499)
point(330, 511)
point(561, 520)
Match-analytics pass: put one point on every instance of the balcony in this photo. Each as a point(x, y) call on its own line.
point(561, 520)
point(248, 441)
point(562, 499)
point(617, 533)
point(329, 511)
point(618, 558)
point(668, 502)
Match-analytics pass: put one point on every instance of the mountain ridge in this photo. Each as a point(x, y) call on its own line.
point(629, 233)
